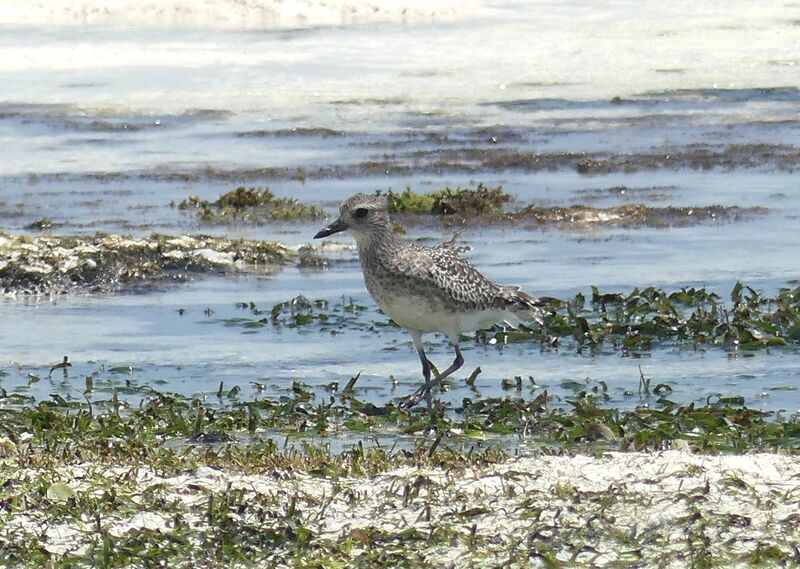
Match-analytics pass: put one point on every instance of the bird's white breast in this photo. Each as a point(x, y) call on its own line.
point(420, 314)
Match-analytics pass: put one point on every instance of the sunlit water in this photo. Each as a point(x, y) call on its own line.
point(107, 121)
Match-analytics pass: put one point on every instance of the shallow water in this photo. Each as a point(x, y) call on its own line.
point(109, 123)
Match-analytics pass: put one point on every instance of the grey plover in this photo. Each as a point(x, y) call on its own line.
point(426, 289)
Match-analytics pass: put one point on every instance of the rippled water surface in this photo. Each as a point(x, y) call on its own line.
point(106, 124)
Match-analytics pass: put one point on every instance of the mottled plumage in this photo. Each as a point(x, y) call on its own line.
point(426, 289)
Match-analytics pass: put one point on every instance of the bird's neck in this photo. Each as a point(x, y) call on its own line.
point(377, 239)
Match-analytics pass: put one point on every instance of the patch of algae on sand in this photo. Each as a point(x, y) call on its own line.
point(106, 263)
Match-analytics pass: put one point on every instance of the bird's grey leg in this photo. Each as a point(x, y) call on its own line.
point(416, 337)
point(454, 367)
point(427, 387)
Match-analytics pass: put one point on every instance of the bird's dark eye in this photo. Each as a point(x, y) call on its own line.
point(360, 213)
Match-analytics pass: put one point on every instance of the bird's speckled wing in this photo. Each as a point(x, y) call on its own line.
point(440, 269)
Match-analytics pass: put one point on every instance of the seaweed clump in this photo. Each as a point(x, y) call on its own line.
point(254, 205)
point(485, 205)
point(462, 202)
point(632, 322)
point(106, 263)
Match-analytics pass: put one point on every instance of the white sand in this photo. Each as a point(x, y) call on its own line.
point(652, 504)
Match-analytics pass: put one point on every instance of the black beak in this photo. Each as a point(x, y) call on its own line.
point(334, 227)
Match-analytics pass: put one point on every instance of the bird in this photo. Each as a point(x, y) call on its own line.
point(426, 289)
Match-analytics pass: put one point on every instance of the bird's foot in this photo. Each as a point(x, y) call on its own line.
point(414, 398)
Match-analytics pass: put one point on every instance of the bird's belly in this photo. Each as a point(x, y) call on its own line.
point(429, 316)
point(417, 313)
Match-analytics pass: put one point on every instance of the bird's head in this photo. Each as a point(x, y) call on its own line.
point(362, 215)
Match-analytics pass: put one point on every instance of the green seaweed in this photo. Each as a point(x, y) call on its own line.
point(408, 201)
point(255, 205)
point(631, 322)
point(462, 202)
